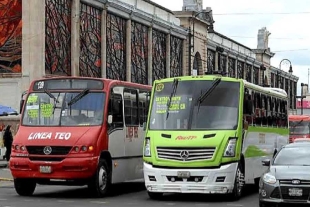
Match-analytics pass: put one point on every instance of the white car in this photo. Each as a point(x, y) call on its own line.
point(301, 140)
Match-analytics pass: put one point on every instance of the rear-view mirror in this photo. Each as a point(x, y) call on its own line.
point(110, 119)
point(266, 162)
point(144, 126)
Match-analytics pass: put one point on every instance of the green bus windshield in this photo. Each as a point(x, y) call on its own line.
point(219, 110)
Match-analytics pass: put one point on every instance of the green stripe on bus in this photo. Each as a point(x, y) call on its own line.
point(281, 131)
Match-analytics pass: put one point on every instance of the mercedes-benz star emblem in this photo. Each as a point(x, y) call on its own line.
point(184, 154)
point(295, 182)
point(47, 150)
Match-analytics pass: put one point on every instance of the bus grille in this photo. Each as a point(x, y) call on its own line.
point(56, 150)
point(185, 153)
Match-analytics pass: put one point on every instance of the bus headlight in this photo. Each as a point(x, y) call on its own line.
point(147, 147)
point(270, 179)
point(230, 150)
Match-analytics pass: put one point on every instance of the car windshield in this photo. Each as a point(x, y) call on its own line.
point(187, 110)
point(299, 127)
point(42, 109)
point(293, 156)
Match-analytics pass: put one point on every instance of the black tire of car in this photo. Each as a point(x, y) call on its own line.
point(100, 184)
point(238, 185)
point(24, 187)
point(155, 196)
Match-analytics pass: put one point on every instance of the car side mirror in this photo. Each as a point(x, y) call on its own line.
point(144, 126)
point(110, 119)
point(266, 162)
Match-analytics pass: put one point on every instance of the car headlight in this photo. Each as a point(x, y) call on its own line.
point(147, 147)
point(230, 150)
point(268, 178)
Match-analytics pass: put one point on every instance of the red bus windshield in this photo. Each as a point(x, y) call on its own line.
point(301, 127)
point(64, 109)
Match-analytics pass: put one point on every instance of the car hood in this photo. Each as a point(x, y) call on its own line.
point(291, 172)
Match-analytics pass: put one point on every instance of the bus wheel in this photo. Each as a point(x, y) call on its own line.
point(24, 187)
point(100, 184)
point(239, 184)
point(155, 196)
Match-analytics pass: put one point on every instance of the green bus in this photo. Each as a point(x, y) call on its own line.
point(209, 134)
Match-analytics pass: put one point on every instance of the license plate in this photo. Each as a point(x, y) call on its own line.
point(184, 174)
point(295, 192)
point(45, 169)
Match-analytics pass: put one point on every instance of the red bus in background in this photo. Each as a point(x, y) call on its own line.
point(299, 126)
point(80, 131)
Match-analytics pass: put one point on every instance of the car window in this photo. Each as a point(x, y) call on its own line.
point(293, 156)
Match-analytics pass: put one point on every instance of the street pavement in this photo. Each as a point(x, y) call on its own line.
point(127, 194)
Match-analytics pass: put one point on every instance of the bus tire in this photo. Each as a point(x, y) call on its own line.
point(100, 184)
point(155, 195)
point(24, 187)
point(238, 184)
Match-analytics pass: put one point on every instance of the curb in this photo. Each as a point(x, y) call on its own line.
point(6, 179)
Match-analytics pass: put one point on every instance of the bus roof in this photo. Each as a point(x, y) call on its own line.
point(298, 117)
point(108, 82)
point(280, 93)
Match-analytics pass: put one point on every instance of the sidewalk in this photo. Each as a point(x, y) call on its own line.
point(3, 164)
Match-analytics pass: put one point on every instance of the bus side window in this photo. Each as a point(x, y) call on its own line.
point(143, 106)
point(131, 107)
point(115, 108)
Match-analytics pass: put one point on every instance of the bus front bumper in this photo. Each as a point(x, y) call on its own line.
point(204, 181)
point(67, 169)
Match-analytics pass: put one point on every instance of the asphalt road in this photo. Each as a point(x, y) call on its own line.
point(128, 194)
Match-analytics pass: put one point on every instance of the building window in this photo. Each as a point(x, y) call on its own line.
point(90, 41)
point(240, 69)
point(248, 75)
point(58, 37)
point(231, 67)
point(211, 61)
point(176, 56)
point(222, 60)
point(139, 53)
point(159, 55)
point(116, 47)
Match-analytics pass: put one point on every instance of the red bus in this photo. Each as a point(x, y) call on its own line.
point(299, 126)
point(80, 131)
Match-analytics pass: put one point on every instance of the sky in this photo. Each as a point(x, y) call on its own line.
point(286, 20)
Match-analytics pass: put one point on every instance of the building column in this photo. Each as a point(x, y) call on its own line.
point(150, 55)
point(168, 55)
point(236, 67)
point(128, 50)
point(75, 38)
point(227, 65)
point(104, 42)
point(216, 62)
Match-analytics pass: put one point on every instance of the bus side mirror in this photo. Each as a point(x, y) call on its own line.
point(110, 119)
point(21, 104)
point(144, 126)
point(266, 162)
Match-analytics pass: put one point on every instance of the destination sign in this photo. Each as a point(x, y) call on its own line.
point(66, 84)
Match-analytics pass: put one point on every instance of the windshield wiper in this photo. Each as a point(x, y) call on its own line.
point(202, 97)
point(174, 90)
point(78, 97)
point(295, 125)
point(51, 95)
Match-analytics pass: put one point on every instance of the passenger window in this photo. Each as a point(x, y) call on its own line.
point(131, 107)
point(115, 108)
point(143, 106)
